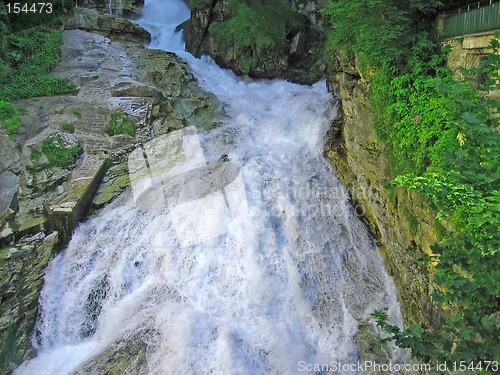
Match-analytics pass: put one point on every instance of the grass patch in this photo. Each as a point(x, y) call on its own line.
point(35, 154)
point(32, 54)
point(119, 123)
point(58, 155)
point(9, 117)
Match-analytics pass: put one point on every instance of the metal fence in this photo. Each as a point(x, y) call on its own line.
point(473, 20)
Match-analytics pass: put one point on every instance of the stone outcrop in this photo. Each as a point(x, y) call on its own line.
point(106, 25)
point(10, 170)
point(292, 50)
point(398, 218)
point(127, 356)
point(467, 53)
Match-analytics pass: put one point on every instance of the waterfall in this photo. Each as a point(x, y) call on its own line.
point(243, 256)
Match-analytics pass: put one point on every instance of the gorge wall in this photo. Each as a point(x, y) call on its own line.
point(398, 218)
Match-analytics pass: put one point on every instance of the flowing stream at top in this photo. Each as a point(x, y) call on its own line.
point(288, 282)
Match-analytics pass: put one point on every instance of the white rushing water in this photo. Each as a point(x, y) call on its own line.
point(287, 282)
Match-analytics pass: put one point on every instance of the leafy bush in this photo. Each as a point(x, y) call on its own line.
point(68, 127)
point(28, 20)
point(39, 51)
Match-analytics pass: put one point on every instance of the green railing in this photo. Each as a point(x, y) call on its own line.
point(473, 20)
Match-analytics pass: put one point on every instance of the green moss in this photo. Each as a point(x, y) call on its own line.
point(413, 222)
point(35, 154)
point(119, 123)
point(9, 351)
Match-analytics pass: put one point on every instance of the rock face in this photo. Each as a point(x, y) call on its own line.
point(399, 219)
point(10, 170)
point(262, 39)
point(22, 268)
point(468, 52)
point(107, 25)
point(127, 95)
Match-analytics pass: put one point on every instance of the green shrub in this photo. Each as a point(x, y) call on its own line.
point(30, 55)
point(35, 154)
point(256, 30)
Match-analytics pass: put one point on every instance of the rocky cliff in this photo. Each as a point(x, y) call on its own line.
point(264, 39)
point(398, 218)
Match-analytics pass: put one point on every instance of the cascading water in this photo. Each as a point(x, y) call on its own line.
point(289, 282)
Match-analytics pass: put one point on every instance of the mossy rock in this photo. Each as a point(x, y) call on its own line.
point(126, 356)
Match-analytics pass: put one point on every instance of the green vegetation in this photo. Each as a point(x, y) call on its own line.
point(31, 55)
point(256, 30)
point(9, 117)
point(58, 155)
point(35, 154)
point(119, 123)
point(29, 50)
point(68, 127)
point(444, 142)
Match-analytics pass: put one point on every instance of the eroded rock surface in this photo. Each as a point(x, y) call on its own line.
point(400, 219)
